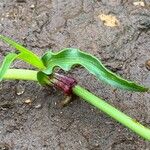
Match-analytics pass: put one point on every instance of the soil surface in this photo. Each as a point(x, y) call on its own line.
point(30, 117)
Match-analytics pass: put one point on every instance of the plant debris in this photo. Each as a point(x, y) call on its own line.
point(139, 3)
point(109, 20)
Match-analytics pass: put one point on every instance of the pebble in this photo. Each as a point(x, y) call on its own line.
point(28, 101)
point(32, 6)
point(147, 64)
point(139, 3)
point(38, 106)
point(20, 89)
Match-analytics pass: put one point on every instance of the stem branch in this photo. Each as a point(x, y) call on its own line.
point(22, 74)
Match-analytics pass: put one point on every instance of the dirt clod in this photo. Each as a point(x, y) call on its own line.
point(147, 64)
point(4, 146)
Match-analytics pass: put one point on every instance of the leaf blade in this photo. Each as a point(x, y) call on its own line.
point(6, 63)
point(69, 57)
point(26, 54)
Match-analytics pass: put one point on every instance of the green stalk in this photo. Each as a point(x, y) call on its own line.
point(113, 112)
point(22, 74)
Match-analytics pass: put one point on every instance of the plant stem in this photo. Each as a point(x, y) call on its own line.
point(22, 74)
point(112, 111)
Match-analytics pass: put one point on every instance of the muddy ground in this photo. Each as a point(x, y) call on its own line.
point(55, 24)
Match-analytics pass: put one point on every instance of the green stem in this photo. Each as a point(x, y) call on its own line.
point(113, 112)
point(22, 74)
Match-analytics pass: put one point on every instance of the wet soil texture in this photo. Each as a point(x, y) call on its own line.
point(30, 118)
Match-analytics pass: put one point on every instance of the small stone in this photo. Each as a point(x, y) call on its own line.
point(20, 90)
point(109, 20)
point(147, 64)
point(28, 101)
point(139, 3)
point(32, 6)
point(38, 106)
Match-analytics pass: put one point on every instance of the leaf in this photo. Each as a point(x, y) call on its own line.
point(26, 54)
point(69, 57)
point(109, 20)
point(42, 78)
point(6, 63)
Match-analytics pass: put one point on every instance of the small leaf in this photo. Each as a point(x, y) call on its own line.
point(109, 20)
point(26, 54)
point(6, 64)
point(66, 58)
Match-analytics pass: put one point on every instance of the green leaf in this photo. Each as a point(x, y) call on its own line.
point(26, 54)
point(6, 64)
point(42, 78)
point(69, 57)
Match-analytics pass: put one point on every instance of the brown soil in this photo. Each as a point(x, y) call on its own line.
point(51, 24)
